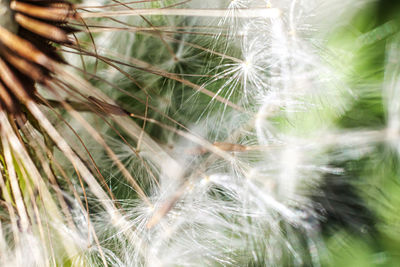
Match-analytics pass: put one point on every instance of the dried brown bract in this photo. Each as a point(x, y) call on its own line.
point(28, 33)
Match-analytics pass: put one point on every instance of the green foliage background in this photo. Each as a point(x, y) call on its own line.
point(377, 176)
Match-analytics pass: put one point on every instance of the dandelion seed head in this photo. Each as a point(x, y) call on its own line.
point(222, 177)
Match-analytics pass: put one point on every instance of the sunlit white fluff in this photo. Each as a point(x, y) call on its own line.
point(228, 210)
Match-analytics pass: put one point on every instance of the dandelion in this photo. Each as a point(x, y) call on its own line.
point(168, 133)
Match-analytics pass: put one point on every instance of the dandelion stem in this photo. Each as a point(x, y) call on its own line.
point(241, 13)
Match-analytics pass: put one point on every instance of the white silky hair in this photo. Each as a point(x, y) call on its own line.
point(232, 206)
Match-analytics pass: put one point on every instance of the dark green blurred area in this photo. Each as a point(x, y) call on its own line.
point(375, 177)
